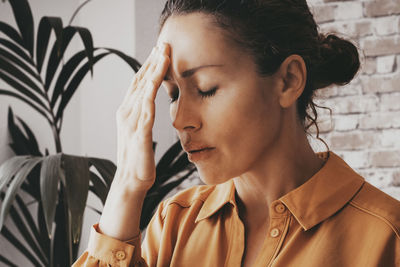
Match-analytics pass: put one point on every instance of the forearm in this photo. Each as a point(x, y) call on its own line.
point(120, 218)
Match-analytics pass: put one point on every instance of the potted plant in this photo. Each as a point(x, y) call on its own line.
point(59, 183)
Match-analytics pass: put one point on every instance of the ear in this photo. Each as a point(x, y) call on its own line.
point(293, 72)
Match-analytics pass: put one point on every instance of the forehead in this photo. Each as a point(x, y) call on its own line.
point(195, 40)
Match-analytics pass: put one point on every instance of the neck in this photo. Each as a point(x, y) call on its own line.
point(282, 168)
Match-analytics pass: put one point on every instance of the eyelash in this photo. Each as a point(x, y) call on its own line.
point(206, 94)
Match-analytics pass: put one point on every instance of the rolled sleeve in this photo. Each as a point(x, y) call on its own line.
point(104, 250)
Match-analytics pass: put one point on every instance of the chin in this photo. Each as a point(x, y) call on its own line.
point(212, 178)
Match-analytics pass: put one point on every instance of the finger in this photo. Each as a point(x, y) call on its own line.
point(157, 77)
point(139, 75)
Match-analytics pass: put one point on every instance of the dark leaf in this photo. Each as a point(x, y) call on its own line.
point(18, 245)
point(11, 33)
point(99, 188)
point(65, 75)
point(17, 50)
point(55, 55)
point(22, 227)
point(45, 26)
point(73, 85)
point(33, 144)
point(105, 167)
point(23, 16)
point(16, 61)
point(76, 182)
point(50, 174)
point(27, 101)
point(20, 142)
point(7, 261)
point(9, 168)
point(133, 63)
point(31, 223)
point(15, 185)
point(168, 157)
point(19, 75)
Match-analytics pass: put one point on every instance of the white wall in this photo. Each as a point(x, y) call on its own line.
point(89, 126)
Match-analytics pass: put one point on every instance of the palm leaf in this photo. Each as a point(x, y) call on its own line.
point(17, 50)
point(23, 16)
point(73, 85)
point(76, 181)
point(99, 188)
point(22, 98)
point(16, 61)
point(11, 33)
point(105, 167)
point(7, 67)
point(15, 185)
point(45, 26)
point(18, 245)
point(49, 179)
point(9, 168)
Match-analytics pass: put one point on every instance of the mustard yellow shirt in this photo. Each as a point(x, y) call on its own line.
point(335, 219)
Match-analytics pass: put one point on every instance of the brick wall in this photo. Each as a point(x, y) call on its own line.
point(365, 125)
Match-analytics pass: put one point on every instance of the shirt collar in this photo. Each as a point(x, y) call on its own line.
point(318, 198)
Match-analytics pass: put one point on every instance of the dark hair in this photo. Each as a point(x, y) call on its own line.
point(272, 30)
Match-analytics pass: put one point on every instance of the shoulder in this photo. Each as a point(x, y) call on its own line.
point(195, 195)
point(374, 202)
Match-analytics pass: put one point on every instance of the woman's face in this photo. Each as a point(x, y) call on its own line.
point(241, 120)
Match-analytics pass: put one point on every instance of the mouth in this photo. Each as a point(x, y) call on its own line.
point(200, 154)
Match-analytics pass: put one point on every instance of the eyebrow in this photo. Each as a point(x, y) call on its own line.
point(190, 72)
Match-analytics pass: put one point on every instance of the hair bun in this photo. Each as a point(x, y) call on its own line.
point(337, 63)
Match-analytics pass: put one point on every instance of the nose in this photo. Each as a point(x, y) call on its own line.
point(185, 114)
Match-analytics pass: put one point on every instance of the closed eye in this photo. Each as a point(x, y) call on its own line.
point(202, 94)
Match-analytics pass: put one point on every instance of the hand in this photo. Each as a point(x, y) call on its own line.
point(135, 119)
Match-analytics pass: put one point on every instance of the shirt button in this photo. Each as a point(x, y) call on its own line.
point(280, 208)
point(120, 255)
point(274, 232)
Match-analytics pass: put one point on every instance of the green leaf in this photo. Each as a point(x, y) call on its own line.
point(73, 85)
point(19, 75)
point(76, 182)
point(15, 185)
point(11, 33)
point(45, 26)
point(105, 167)
point(16, 61)
point(26, 100)
point(9, 168)
point(17, 50)
point(23, 16)
point(50, 174)
point(99, 188)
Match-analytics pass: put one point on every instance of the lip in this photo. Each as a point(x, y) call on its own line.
point(203, 154)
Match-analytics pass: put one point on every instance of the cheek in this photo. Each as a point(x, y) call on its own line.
point(244, 127)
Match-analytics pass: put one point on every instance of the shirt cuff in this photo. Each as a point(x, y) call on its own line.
point(114, 251)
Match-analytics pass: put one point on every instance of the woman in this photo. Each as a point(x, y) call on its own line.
point(241, 76)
